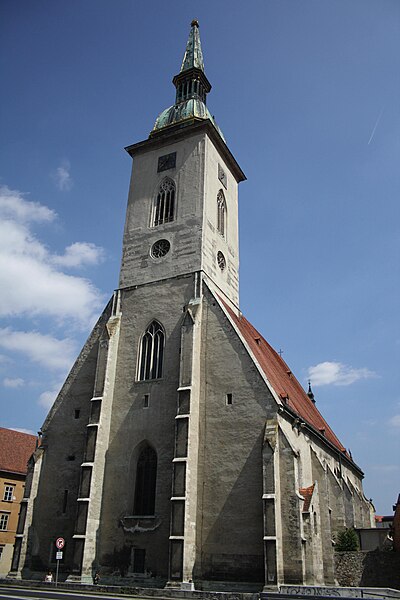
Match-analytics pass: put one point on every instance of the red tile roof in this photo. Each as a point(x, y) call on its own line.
point(282, 379)
point(307, 495)
point(15, 450)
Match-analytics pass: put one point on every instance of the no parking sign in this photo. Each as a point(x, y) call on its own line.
point(60, 543)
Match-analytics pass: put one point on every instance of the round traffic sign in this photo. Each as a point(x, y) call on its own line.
point(60, 543)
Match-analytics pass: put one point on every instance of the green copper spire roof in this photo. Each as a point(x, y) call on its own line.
point(193, 57)
point(192, 87)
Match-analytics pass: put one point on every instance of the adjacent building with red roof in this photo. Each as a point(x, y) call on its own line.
point(15, 451)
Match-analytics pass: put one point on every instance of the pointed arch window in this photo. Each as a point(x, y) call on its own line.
point(145, 488)
point(221, 214)
point(164, 204)
point(151, 352)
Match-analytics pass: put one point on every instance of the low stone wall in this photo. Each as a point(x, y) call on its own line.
point(370, 569)
point(126, 590)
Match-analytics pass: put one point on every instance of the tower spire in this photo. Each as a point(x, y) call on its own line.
point(191, 82)
point(193, 56)
point(192, 87)
point(310, 393)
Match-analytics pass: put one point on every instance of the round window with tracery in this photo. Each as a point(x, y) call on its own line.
point(221, 261)
point(160, 248)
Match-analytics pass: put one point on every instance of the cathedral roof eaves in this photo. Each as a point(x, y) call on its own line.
point(341, 452)
point(286, 390)
point(176, 132)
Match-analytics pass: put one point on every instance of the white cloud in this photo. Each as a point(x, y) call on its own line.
point(47, 398)
point(29, 273)
point(14, 206)
point(35, 288)
point(336, 373)
point(62, 176)
point(385, 468)
point(21, 430)
point(79, 254)
point(45, 350)
point(13, 383)
point(395, 421)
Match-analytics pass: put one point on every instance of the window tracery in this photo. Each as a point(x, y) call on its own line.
point(221, 213)
point(151, 352)
point(164, 205)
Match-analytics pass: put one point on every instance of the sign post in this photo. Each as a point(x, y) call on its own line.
point(60, 543)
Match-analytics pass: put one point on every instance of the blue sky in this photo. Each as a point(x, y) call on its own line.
point(307, 94)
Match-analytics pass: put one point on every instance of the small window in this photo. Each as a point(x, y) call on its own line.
point(65, 502)
point(164, 204)
point(221, 213)
point(1, 551)
point(315, 523)
point(151, 352)
point(8, 493)
point(221, 261)
point(71, 457)
point(228, 399)
point(77, 413)
point(146, 400)
point(4, 521)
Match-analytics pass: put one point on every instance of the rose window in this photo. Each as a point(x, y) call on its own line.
point(160, 248)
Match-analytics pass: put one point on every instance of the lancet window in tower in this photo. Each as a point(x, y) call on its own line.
point(164, 205)
point(221, 216)
point(151, 352)
point(145, 488)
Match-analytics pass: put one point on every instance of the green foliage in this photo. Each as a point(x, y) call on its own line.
point(347, 541)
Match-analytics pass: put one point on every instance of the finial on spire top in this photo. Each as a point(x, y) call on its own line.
point(194, 23)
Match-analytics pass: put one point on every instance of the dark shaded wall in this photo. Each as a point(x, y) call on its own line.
point(63, 442)
point(230, 539)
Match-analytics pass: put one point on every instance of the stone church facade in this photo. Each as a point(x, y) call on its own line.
point(181, 444)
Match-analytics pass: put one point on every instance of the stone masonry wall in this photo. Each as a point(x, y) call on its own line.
point(370, 569)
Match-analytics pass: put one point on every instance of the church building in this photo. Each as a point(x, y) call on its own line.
point(181, 447)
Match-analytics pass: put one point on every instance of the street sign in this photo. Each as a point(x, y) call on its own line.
point(60, 543)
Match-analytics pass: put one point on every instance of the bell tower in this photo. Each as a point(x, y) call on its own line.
point(182, 214)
